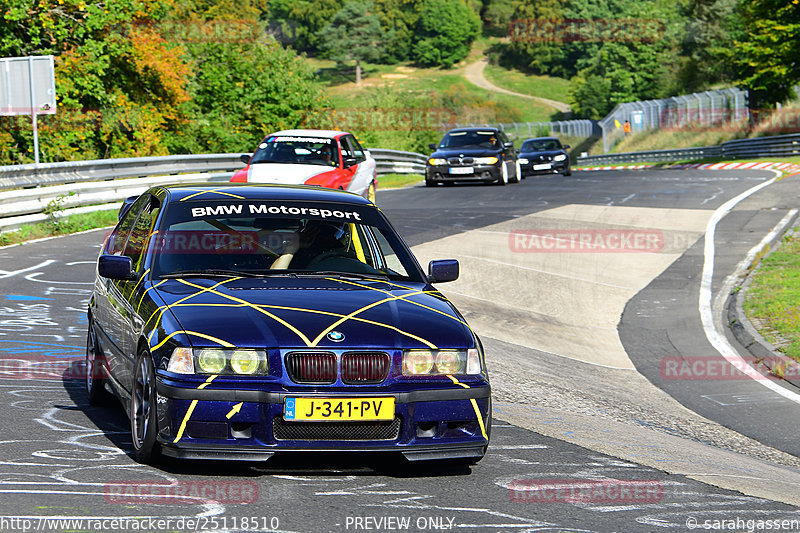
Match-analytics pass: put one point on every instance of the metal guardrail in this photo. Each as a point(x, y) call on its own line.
point(705, 152)
point(26, 191)
point(18, 176)
point(760, 147)
point(397, 162)
point(780, 145)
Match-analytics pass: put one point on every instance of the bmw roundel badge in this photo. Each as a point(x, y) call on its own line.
point(336, 336)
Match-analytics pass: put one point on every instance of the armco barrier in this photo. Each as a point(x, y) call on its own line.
point(83, 186)
point(757, 148)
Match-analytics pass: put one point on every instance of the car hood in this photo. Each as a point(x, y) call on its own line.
point(285, 173)
point(468, 152)
point(300, 312)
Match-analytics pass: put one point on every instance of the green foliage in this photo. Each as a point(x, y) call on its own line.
point(765, 52)
point(354, 33)
point(628, 67)
point(151, 78)
point(55, 211)
point(497, 13)
point(306, 18)
point(707, 34)
point(445, 31)
point(398, 19)
point(242, 90)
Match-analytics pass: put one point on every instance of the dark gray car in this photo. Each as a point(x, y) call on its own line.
point(473, 154)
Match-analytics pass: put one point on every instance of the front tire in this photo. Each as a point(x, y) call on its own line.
point(144, 424)
point(503, 176)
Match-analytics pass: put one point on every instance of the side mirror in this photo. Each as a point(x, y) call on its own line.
point(116, 267)
point(349, 162)
point(245, 158)
point(443, 270)
point(126, 204)
point(432, 146)
point(508, 144)
point(566, 147)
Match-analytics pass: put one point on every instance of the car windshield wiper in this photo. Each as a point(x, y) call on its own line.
point(216, 272)
point(340, 274)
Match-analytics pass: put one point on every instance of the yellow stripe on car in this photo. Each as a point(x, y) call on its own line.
point(474, 406)
point(190, 410)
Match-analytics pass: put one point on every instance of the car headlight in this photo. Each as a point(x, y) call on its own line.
point(560, 157)
point(449, 362)
point(441, 362)
point(522, 161)
point(211, 361)
point(436, 161)
point(417, 362)
point(245, 361)
point(485, 160)
point(237, 361)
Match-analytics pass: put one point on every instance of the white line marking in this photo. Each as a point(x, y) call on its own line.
point(713, 326)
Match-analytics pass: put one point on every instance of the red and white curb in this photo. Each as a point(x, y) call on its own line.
point(788, 168)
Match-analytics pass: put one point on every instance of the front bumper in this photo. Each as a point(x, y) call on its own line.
point(544, 167)
point(446, 422)
point(443, 173)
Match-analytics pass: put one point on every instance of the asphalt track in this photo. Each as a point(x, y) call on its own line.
point(559, 417)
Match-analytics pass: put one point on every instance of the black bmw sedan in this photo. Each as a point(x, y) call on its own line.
point(473, 154)
point(544, 155)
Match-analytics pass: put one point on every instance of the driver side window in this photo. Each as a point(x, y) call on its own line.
point(116, 241)
point(141, 234)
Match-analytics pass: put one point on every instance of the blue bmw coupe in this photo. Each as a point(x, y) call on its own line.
point(239, 321)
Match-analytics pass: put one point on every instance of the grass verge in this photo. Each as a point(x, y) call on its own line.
point(395, 181)
point(773, 298)
point(519, 82)
point(60, 226)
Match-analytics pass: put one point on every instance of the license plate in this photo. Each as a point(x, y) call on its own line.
point(338, 408)
point(461, 170)
point(544, 166)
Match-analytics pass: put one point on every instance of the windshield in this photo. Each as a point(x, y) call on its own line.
point(474, 139)
point(540, 145)
point(261, 239)
point(300, 150)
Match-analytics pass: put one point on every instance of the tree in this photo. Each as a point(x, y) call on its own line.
point(444, 31)
point(354, 33)
point(398, 19)
point(706, 33)
point(765, 54)
point(304, 19)
point(119, 84)
point(242, 90)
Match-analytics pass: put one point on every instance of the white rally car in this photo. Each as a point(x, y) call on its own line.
point(326, 158)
